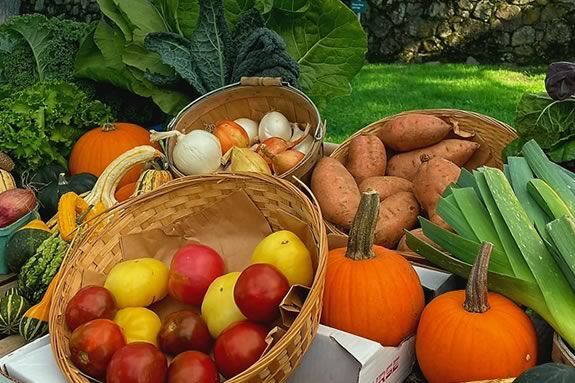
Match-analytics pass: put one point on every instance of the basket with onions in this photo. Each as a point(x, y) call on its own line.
point(259, 125)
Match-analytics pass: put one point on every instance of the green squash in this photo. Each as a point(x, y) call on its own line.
point(21, 246)
point(547, 373)
point(12, 309)
point(52, 183)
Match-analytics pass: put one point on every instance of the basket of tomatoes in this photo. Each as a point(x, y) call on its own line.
point(218, 276)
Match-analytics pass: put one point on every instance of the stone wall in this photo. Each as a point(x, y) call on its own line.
point(491, 31)
point(79, 10)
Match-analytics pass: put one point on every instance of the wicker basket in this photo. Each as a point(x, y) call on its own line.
point(496, 135)
point(561, 353)
point(98, 249)
point(253, 98)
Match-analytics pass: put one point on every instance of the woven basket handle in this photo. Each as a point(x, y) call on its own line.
point(261, 81)
point(307, 190)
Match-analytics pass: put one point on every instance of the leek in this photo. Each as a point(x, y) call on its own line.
point(534, 259)
point(562, 231)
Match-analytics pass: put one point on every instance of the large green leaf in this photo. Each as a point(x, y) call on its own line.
point(110, 9)
point(329, 44)
point(175, 51)
point(296, 6)
point(37, 39)
point(138, 57)
point(143, 16)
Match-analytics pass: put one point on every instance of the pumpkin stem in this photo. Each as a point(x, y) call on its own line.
point(476, 291)
point(360, 243)
point(62, 179)
point(108, 127)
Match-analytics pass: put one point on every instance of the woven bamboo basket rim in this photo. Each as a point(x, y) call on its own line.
point(248, 83)
point(500, 133)
point(561, 353)
point(311, 308)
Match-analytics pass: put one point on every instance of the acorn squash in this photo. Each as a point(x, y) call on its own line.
point(52, 183)
point(22, 245)
point(547, 373)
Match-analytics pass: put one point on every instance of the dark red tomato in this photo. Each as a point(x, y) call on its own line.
point(184, 331)
point(193, 269)
point(259, 292)
point(91, 302)
point(93, 344)
point(138, 362)
point(193, 367)
point(238, 347)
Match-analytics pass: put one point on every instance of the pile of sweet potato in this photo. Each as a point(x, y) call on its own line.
point(410, 161)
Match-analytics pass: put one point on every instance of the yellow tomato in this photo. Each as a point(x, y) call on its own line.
point(219, 308)
point(284, 250)
point(138, 282)
point(138, 324)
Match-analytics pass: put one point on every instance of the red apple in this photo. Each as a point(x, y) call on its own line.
point(193, 269)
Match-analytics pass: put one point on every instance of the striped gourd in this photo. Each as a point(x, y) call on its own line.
point(34, 323)
point(12, 291)
point(151, 179)
point(108, 182)
point(12, 309)
point(6, 181)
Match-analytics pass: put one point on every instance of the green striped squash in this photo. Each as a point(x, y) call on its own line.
point(12, 309)
point(31, 328)
point(12, 291)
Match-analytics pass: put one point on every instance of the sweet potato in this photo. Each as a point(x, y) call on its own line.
point(366, 157)
point(406, 165)
point(336, 192)
point(413, 131)
point(386, 186)
point(433, 177)
point(396, 213)
point(402, 246)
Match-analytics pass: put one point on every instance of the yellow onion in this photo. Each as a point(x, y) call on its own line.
point(244, 160)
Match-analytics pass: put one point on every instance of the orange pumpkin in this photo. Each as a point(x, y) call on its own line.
point(125, 192)
point(97, 148)
point(473, 334)
point(371, 291)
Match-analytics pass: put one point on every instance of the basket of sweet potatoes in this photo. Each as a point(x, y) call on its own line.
point(409, 159)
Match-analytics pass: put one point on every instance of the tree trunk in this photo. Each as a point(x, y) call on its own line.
point(8, 8)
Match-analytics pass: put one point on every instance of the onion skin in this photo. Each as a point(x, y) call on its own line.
point(273, 146)
point(274, 124)
point(286, 160)
point(15, 204)
point(251, 127)
point(231, 134)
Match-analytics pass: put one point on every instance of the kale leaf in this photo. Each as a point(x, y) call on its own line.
point(35, 48)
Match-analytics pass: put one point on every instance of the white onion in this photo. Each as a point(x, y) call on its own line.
point(251, 128)
point(274, 124)
point(306, 144)
point(197, 152)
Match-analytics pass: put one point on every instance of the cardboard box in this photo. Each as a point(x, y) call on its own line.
point(339, 357)
point(31, 363)
point(435, 282)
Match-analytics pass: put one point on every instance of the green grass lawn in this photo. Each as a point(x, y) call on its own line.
point(383, 90)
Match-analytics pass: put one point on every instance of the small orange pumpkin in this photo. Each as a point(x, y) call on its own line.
point(371, 291)
point(125, 192)
point(97, 148)
point(473, 334)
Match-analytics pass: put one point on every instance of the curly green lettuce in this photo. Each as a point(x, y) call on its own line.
point(40, 123)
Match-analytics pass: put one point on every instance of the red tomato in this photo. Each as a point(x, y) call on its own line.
point(193, 269)
point(184, 331)
point(93, 344)
point(259, 292)
point(193, 367)
point(139, 362)
point(238, 347)
point(91, 302)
